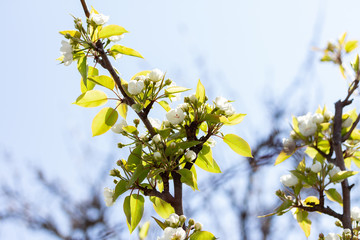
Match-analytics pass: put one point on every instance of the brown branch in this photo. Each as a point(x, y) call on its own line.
point(177, 205)
point(337, 141)
point(322, 209)
point(166, 196)
point(86, 11)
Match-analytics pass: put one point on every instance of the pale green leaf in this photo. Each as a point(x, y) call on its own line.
point(333, 195)
point(351, 45)
point(103, 121)
point(104, 81)
point(122, 110)
point(282, 157)
point(125, 51)
point(120, 188)
point(111, 30)
point(135, 155)
point(143, 231)
point(205, 160)
point(162, 208)
point(82, 67)
point(200, 92)
point(89, 85)
point(175, 89)
point(134, 209)
point(202, 235)
point(188, 178)
point(235, 119)
point(160, 223)
point(304, 222)
point(73, 33)
point(92, 98)
point(342, 175)
point(238, 145)
point(165, 105)
point(131, 129)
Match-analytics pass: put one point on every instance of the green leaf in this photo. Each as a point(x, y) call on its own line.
point(202, 235)
point(188, 178)
point(103, 121)
point(139, 175)
point(162, 208)
point(143, 231)
point(200, 92)
point(131, 129)
point(134, 209)
point(188, 144)
point(282, 157)
point(175, 89)
point(82, 67)
point(213, 118)
point(142, 73)
point(304, 222)
point(334, 196)
point(342, 175)
point(89, 85)
point(235, 119)
point(135, 155)
point(120, 189)
point(342, 70)
point(125, 51)
point(73, 33)
point(92, 98)
point(238, 145)
point(205, 160)
point(160, 223)
point(165, 105)
point(351, 45)
point(122, 110)
point(104, 81)
point(164, 133)
point(111, 30)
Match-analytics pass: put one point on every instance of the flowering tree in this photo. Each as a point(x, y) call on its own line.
point(331, 143)
point(166, 152)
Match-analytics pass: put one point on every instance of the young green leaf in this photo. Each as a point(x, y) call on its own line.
point(238, 145)
point(235, 119)
point(165, 105)
point(139, 175)
point(160, 223)
point(89, 85)
point(135, 155)
point(122, 110)
point(82, 67)
point(104, 81)
point(282, 157)
point(134, 209)
point(200, 92)
point(205, 160)
point(175, 89)
point(333, 195)
point(342, 175)
point(162, 208)
point(202, 235)
point(73, 33)
point(92, 98)
point(143, 230)
point(304, 222)
point(111, 30)
point(125, 50)
point(188, 178)
point(351, 45)
point(120, 189)
point(103, 121)
point(131, 129)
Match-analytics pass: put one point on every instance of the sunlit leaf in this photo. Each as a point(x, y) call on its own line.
point(92, 98)
point(342, 175)
point(188, 178)
point(200, 92)
point(111, 30)
point(165, 105)
point(160, 223)
point(131, 129)
point(311, 201)
point(144, 229)
point(134, 209)
point(104, 81)
point(122, 110)
point(73, 33)
point(333, 195)
point(351, 45)
point(120, 188)
point(125, 51)
point(103, 121)
point(202, 235)
point(82, 67)
point(161, 207)
point(282, 157)
point(175, 89)
point(238, 145)
point(89, 85)
point(304, 222)
point(235, 119)
point(206, 162)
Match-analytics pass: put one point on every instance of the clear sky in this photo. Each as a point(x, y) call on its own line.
point(237, 48)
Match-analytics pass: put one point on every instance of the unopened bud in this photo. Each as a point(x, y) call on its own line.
point(172, 145)
point(157, 155)
point(321, 236)
point(114, 172)
point(168, 82)
point(191, 222)
point(198, 226)
point(338, 223)
point(182, 219)
point(115, 181)
point(331, 166)
point(136, 121)
point(120, 145)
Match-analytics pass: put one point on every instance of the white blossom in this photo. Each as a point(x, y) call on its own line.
point(135, 87)
point(289, 145)
point(173, 219)
point(289, 180)
point(316, 167)
point(334, 171)
point(67, 51)
point(211, 142)
point(99, 19)
point(173, 234)
point(193, 98)
point(355, 213)
point(116, 38)
point(175, 116)
point(347, 123)
point(117, 128)
point(184, 106)
point(224, 105)
point(156, 123)
point(108, 196)
point(347, 231)
point(156, 138)
point(328, 114)
point(157, 155)
point(306, 125)
point(198, 226)
point(156, 75)
point(190, 155)
point(332, 236)
point(317, 118)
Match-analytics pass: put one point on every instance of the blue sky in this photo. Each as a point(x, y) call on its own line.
point(237, 48)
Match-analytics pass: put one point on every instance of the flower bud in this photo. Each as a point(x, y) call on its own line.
point(157, 138)
point(168, 82)
point(172, 145)
point(115, 181)
point(198, 226)
point(120, 145)
point(190, 155)
point(114, 172)
point(191, 222)
point(157, 156)
point(338, 223)
point(182, 219)
point(321, 236)
point(136, 121)
point(180, 151)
